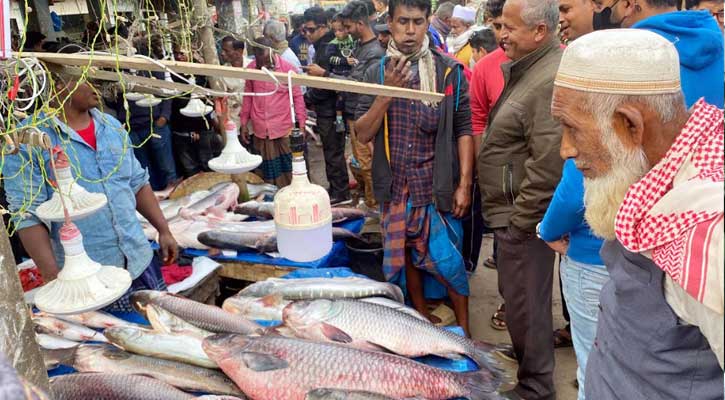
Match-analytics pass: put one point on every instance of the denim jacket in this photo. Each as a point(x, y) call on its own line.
point(112, 235)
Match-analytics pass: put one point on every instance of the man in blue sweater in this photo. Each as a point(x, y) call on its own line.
point(695, 34)
point(582, 270)
point(563, 228)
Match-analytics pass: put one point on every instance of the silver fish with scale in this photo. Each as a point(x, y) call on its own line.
point(323, 288)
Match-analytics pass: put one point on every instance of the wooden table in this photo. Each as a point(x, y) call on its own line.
point(251, 272)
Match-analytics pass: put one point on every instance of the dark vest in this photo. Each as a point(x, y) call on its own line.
point(642, 351)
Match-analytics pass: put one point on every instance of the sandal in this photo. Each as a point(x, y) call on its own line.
point(490, 263)
point(506, 351)
point(562, 338)
point(498, 319)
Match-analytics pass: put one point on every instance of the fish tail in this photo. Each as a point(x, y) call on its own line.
point(481, 385)
point(483, 354)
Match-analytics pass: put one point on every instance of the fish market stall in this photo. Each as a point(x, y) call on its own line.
point(206, 220)
point(173, 347)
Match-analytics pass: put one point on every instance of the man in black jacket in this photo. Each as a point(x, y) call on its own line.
point(423, 158)
point(368, 51)
point(323, 102)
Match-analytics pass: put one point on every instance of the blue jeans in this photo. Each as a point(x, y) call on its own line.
point(156, 155)
point(581, 284)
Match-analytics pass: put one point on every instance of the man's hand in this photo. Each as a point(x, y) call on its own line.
point(169, 247)
point(461, 201)
point(352, 61)
point(244, 135)
point(560, 246)
point(397, 73)
point(161, 122)
point(315, 70)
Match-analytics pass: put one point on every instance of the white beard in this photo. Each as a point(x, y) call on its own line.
point(604, 195)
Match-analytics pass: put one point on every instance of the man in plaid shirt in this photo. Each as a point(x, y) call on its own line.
point(422, 158)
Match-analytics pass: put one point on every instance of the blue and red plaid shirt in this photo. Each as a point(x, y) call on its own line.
point(412, 128)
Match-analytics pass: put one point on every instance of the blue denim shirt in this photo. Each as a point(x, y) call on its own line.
point(112, 235)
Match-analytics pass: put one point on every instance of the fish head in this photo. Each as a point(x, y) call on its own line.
point(124, 334)
point(222, 346)
point(141, 298)
point(87, 355)
point(307, 312)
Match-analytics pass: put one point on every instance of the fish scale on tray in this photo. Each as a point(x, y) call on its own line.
point(297, 366)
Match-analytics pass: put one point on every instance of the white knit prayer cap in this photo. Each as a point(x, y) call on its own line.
point(620, 61)
point(465, 14)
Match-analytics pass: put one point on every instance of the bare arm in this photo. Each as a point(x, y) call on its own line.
point(477, 141)
point(148, 206)
point(36, 242)
point(462, 196)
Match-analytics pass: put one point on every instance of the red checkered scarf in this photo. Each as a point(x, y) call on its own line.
point(674, 215)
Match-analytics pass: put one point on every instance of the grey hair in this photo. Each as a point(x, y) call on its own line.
point(445, 10)
point(602, 106)
point(537, 11)
point(275, 30)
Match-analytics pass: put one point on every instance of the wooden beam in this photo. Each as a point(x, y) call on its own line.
point(141, 84)
point(102, 61)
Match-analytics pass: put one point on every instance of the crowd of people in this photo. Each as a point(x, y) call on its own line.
point(591, 129)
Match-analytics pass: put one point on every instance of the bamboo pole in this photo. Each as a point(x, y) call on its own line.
point(81, 60)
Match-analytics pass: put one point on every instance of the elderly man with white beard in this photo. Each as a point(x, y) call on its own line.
point(653, 190)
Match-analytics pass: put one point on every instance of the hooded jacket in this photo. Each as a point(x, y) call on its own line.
point(699, 42)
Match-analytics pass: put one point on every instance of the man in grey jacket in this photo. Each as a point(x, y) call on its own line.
point(518, 169)
point(355, 18)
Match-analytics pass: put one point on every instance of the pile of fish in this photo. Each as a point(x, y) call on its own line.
point(202, 220)
point(338, 338)
point(265, 210)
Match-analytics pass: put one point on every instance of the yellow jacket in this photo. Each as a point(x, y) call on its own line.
point(464, 55)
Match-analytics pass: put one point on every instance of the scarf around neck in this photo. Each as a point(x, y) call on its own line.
point(674, 214)
point(456, 43)
point(440, 26)
point(426, 65)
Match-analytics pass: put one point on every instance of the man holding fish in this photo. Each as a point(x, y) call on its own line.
point(103, 162)
point(423, 158)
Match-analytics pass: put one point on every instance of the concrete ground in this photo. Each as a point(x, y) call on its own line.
point(483, 303)
point(485, 298)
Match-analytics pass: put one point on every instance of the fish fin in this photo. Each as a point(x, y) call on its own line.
point(260, 362)
point(483, 355)
point(334, 333)
point(370, 346)
point(481, 385)
point(272, 300)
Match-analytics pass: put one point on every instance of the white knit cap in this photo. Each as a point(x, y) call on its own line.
point(620, 61)
point(466, 14)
